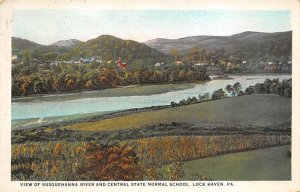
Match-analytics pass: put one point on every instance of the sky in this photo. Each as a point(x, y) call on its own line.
point(46, 26)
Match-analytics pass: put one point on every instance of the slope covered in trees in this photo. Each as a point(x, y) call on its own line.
point(19, 45)
point(246, 45)
point(106, 48)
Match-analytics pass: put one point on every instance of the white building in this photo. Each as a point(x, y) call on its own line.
point(14, 57)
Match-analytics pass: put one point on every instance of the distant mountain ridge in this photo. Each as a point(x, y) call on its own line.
point(66, 43)
point(246, 45)
point(235, 41)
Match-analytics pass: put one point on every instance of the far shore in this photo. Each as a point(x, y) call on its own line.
point(130, 90)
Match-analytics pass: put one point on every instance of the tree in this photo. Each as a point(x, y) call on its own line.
point(70, 84)
point(157, 76)
point(89, 84)
point(191, 75)
point(137, 64)
point(110, 163)
point(175, 54)
point(182, 75)
point(237, 87)
point(27, 56)
point(137, 76)
point(196, 54)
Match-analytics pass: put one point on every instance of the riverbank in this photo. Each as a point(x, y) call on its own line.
point(133, 90)
point(44, 108)
point(209, 111)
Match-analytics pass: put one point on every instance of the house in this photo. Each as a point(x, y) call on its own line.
point(157, 64)
point(86, 60)
point(200, 64)
point(231, 66)
point(69, 62)
point(179, 63)
point(53, 63)
point(14, 57)
point(97, 59)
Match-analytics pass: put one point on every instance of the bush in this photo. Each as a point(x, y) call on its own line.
point(249, 90)
point(218, 94)
point(260, 88)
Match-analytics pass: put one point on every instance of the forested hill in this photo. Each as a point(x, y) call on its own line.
point(108, 47)
point(19, 45)
point(246, 44)
point(104, 47)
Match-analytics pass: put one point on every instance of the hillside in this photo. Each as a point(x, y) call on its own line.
point(104, 47)
point(260, 109)
point(42, 52)
point(19, 45)
point(108, 47)
point(249, 42)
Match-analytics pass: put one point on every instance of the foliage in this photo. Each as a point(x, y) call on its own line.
point(283, 88)
point(46, 160)
point(175, 171)
point(175, 54)
point(82, 160)
point(95, 161)
point(40, 79)
point(163, 150)
point(218, 94)
point(110, 163)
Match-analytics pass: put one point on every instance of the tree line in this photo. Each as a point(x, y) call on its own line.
point(37, 78)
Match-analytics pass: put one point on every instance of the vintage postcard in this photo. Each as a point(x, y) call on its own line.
point(149, 95)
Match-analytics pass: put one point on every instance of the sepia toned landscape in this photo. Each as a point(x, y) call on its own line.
point(109, 108)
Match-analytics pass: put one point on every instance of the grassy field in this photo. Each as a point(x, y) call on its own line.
point(137, 90)
point(256, 110)
point(264, 164)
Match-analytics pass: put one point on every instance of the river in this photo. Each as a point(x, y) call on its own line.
point(43, 109)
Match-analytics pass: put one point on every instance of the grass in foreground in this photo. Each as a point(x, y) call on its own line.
point(265, 164)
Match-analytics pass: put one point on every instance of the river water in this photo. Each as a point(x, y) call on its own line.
point(42, 109)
